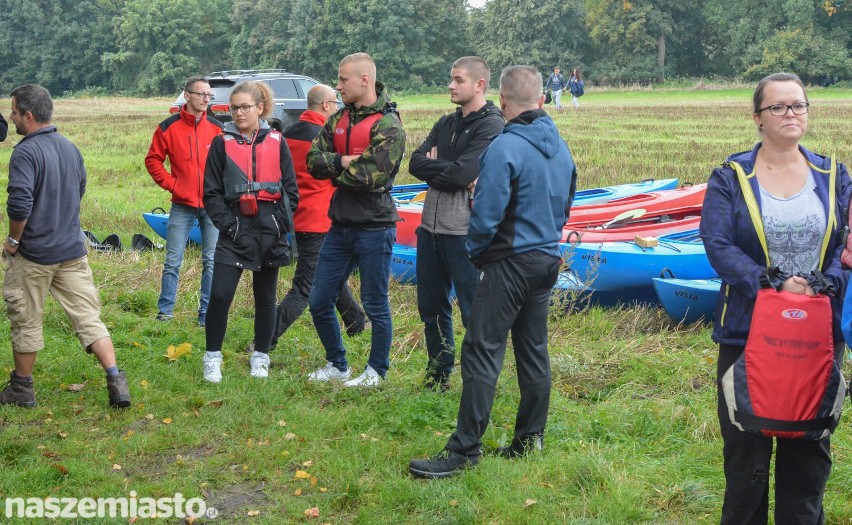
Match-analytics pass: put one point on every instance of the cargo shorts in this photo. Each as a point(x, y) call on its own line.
point(25, 289)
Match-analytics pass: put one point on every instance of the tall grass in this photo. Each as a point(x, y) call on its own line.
point(632, 435)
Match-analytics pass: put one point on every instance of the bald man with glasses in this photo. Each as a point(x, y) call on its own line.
point(184, 138)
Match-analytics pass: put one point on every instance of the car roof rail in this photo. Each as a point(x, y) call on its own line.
point(232, 72)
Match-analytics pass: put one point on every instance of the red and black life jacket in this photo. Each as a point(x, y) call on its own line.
point(253, 167)
point(353, 139)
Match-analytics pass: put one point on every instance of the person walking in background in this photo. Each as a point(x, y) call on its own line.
point(311, 220)
point(184, 139)
point(526, 187)
point(46, 250)
point(250, 193)
point(360, 150)
point(556, 84)
point(793, 190)
point(576, 86)
point(4, 128)
point(448, 161)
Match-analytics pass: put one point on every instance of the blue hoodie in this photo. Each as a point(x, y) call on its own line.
point(526, 186)
point(734, 249)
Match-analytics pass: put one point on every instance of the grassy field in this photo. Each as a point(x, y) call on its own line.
point(632, 435)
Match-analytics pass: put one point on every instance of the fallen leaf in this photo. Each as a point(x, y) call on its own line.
point(323, 489)
point(289, 436)
point(454, 503)
point(196, 412)
point(48, 420)
point(253, 513)
point(313, 481)
point(439, 433)
point(149, 416)
point(76, 387)
point(308, 463)
point(63, 435)
point(52, 455)
point(144, 384)
point(546, 485)
point(528, 502)
point(285, 453)
point(297, 492)
point(61, 468)
point(216, 404)
point(301, 474)
point(137, 344)
point(190, 520)
point(312, 512)
point(282, 423)
point(129, 433)
point(133, 520)
point(167, 421)
point(116, 466)
point(179, 459)
point(176, 353)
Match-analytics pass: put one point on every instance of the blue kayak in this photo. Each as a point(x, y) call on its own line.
point(624, 271)
point(688, 300)
point(403, 264)
point(159, 222)
point(608, 193)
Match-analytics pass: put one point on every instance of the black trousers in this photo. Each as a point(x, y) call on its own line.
point(296, 300)
point(513, 294)
point(225, 280)
point(802, 467)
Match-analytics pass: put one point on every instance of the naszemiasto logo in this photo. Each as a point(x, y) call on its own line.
point(794, 314)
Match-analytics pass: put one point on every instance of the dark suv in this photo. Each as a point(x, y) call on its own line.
point(289, 89)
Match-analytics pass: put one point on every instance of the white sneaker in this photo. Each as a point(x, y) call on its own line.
point(259, 364)
point(329, 372)
point(212, 368)
point(370, 378)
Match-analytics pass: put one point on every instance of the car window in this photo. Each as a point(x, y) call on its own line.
point(306, 85)
point(221, 90)
point(283, 88)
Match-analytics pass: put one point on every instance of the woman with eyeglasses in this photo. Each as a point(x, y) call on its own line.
point(249, 193)
point(801, 206)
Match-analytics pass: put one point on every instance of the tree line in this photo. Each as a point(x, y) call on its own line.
point(149, 47)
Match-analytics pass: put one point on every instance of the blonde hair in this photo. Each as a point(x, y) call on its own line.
point(363, 61)
point(260, 93)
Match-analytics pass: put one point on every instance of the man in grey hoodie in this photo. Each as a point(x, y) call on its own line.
point(448, 161)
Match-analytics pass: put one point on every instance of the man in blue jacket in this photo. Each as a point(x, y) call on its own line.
point(526, 185)
point(556, 83)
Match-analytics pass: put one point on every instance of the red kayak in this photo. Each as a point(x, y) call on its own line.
point(652, 202)
point(652, 224)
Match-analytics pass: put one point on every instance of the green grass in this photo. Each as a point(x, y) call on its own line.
point(632, 435)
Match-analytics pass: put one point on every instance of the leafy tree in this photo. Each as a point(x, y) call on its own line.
point(162, 42)
point(57, 44)
point(543, 33)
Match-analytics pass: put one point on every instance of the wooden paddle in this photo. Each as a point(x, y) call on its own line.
point(623, 218)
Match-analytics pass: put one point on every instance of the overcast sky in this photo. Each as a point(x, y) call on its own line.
point(477, 3)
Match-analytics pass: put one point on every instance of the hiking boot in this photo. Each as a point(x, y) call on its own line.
point(259, 364)
point(202, 320)
point(328, 373)
point(443, 464)
point(437, 382)
point(18, 392)
point(163, 317)
point(212, 368)
point(119, 390)
point(520, 448)
point(370, 378)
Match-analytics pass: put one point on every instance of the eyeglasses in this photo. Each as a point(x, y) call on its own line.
point(201, 95)
point(780, 110)
point(241, 109)
point(329, 101)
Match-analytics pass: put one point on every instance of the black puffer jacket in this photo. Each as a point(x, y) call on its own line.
point(257, 242)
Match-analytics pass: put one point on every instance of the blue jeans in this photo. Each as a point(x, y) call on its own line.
point(442, 263)
point(557, 98)
point(181, 220)
point(346, 247)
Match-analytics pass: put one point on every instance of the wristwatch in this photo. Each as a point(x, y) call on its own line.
point(13, 242)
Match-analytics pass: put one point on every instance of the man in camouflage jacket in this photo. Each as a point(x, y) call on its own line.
point(360, 149)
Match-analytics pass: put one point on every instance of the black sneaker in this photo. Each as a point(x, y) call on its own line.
point(119, 390)
point(163, 317)
point(18, 392)
point(443, 464)
point(520, 448)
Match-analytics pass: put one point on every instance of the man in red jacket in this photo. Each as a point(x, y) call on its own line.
point(311, 219)
point(185, 139)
